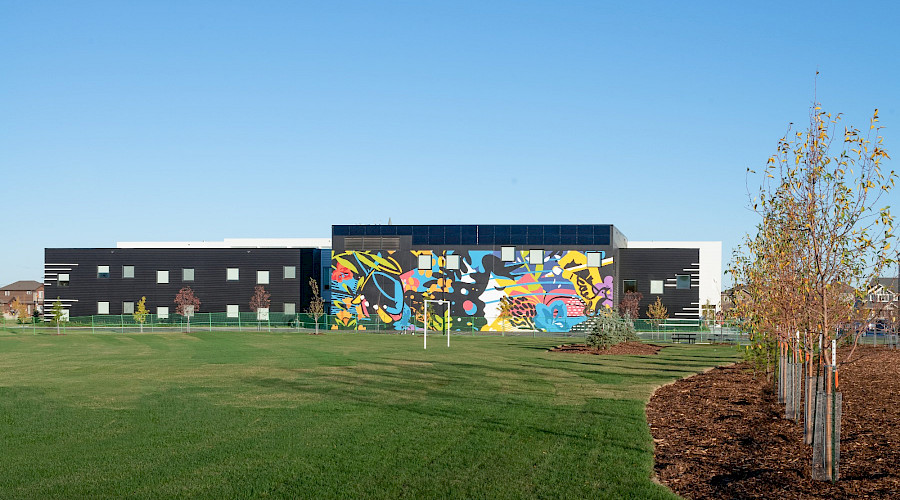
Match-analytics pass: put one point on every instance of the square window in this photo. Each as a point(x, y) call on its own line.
point(162, 312)
point(629, 286)
point(508, 254)
point(290, 272)
point(594, 259)
point(232, 274)
point(656, 287)
point(453, 261)
point(425, 261)
point(535, 256)
point(162, 277)
point(65, 315)
point(62, 279)
point(128, 271)
point(187, 274)
point(127, 307)
point(103, 271)
point(290, 308)
point(682, 282)
point(262, 277)
point(231, 310)
point(262, 314)
point(188, 310)
point(28, 292)
point(102, 307)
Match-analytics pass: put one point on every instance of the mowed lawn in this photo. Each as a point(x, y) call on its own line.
point(237, 415)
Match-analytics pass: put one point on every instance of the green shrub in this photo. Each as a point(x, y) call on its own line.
point(607, 328)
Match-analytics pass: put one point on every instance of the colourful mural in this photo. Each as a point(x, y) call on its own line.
point(388, 288)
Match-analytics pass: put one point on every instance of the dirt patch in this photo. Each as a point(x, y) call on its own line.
point(623, 349)
point(721, 434)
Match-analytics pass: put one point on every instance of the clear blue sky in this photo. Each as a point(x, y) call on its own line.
point(191, 120)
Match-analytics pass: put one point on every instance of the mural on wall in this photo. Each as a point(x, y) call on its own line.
point(387, 287)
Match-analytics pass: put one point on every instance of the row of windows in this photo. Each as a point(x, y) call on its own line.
point(231, 310)
point(187, 274)
point(508, 254)
point(487, 234)
point(682, 282)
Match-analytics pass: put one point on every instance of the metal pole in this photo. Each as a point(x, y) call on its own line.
point(425, 326)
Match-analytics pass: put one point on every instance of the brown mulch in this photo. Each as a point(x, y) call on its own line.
point(721, 434)
point(623, 349)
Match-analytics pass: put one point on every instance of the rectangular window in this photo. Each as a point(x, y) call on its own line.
point(290, 308)
point(656, 287)
point(127, 307)
point(682, 282)
point(594, 259)
point(103, 271)
point(535, 256)
point(162, 277)
point(28, 292)
point(424, 261)
point(102, 307)
point(290, 272)
point(231, 310)
point(187, 274)
point(62, 279)
point(127, 271)
point(232, 274)
point(162, 312)
point(508, 254)
point(453, 261)
point(41, 294)
point(262, 277)
point(629, 286)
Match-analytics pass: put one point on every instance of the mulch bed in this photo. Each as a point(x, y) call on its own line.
point(623, 349)
point(721, 434)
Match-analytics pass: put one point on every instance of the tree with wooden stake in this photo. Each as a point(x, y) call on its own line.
point(657, 313)
point(259, 303)
point(57, 313)
point(630, 305)
point(140, 313)
point(316, 305)
point(186, 304)
point(824, 235)
point(506, 308)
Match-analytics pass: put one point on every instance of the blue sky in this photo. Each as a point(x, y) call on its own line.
point(189, 120)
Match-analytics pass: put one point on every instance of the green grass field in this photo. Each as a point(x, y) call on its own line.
point(228, 415)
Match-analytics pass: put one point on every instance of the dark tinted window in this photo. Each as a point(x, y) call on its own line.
point(340, 230)
point(468, 235)
point(535, 235)
point(485, 235)
point(502, 235)
point(357, 230)
point(436, 235)
point(551, 235)
point(452, 235)
point(404, 230)
point(629, 286)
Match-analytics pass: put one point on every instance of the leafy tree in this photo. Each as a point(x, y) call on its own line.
point(657, 312)
point(259, 300)
point(506, 307)
point(630, 304)
point(140, 313)
point(19, 309)
point(316, 306)
point(57, 313)
point(186, 304)
point(824, 235)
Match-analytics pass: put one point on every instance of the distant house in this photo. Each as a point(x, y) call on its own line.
point(883, 298)
point(30, 293)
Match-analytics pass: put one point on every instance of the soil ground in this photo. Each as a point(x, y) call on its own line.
point(625, 348)
point(722, 435)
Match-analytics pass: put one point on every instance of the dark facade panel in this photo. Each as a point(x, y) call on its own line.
point(645, 265)
point(86, 288)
